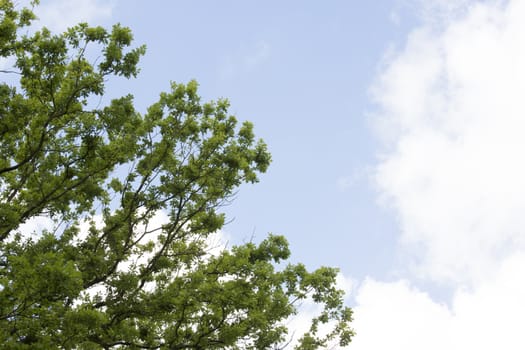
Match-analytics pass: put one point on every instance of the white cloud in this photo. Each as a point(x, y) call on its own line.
point(398, 316)
point(59, 15)
point(440, 12)
point(35, 226)
point(452, 116)
point(452, 111)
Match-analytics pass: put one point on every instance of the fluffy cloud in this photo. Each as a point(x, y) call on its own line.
point(451, 113)
point(398, 316)
point(34, 227)
point(61, 14)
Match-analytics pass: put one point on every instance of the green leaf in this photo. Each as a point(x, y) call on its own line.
point(132, 200)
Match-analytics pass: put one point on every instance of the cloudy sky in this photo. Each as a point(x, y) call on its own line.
point(396, 128)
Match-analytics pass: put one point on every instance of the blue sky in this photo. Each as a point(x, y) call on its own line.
point(396, 132)
point(300, 72)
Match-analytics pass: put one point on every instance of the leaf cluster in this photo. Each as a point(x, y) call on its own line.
point(109, 273)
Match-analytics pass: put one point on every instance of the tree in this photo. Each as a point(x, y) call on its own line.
point(106, 274)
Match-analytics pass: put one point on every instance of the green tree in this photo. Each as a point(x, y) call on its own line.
point(104, 275)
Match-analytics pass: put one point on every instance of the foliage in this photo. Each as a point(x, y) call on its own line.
point(107, 274)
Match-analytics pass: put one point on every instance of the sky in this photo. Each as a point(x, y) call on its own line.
point(395, 128)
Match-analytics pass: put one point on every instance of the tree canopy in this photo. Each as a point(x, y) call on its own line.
point(106, 273)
